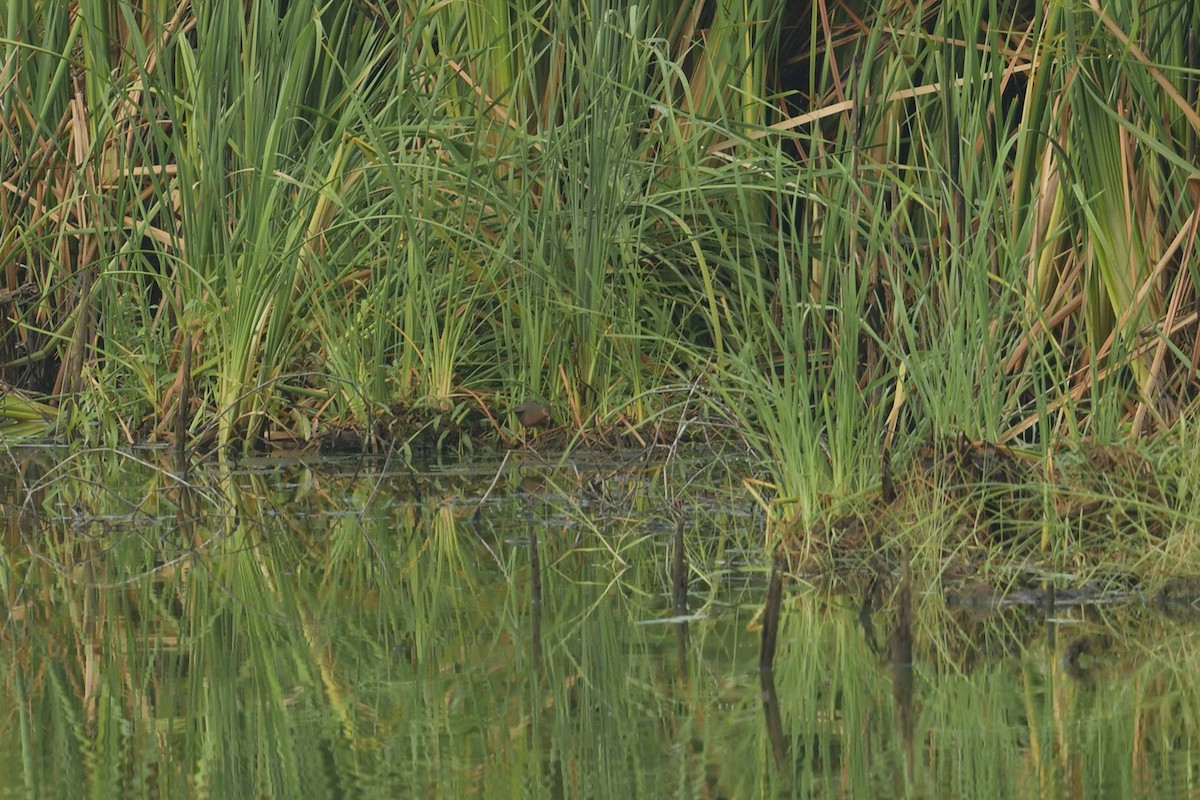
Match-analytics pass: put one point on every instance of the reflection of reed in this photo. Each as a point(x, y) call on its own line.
point(535, 599)
point(774, 720)
point(770, 624)
point(766, 662)
point(902, 663)
point(679, 596)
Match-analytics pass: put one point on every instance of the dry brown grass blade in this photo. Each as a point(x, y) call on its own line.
point(1183, 291)
point(802, 120)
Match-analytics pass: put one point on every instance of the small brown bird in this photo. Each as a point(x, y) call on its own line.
point(533, 415)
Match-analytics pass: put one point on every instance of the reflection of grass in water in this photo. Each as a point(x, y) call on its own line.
point(386, 644)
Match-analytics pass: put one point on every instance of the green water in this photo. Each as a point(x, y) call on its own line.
point(359, 629)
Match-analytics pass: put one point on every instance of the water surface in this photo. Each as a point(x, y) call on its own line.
point(345, 628)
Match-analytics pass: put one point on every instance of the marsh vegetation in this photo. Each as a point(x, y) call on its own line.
point(918, 281)
point(830, 234)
